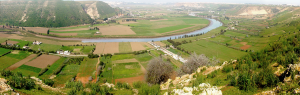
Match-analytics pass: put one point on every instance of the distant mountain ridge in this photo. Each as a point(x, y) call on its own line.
point(52, 13)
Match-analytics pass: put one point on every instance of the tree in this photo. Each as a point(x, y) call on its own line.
point(194, 62)
point(48, 32)
point(158, 71)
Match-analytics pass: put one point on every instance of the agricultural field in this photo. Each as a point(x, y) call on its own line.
point(213, 50)
point(126, 70)
point(40, 62)
point(4, 51)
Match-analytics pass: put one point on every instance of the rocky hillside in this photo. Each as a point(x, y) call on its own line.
point(51, 13)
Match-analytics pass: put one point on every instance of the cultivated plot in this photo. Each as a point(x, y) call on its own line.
point(43, 61)
point(20, 63)
point(99, 48)
point(37, 29)
point(137, 46)
point(112, 47)
point(116, 30)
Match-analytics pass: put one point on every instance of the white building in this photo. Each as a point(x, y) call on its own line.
point(63, 52)
point(36, 43)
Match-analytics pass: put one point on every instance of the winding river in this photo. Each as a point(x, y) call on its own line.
point(214, 24)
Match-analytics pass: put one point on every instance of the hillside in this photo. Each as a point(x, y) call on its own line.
point(49, 13)
point(98, 10)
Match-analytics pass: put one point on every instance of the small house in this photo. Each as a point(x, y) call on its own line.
point(36, 43)
point(25, 47)
point(63, 52)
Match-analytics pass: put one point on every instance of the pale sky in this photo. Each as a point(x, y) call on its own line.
point(294, 2)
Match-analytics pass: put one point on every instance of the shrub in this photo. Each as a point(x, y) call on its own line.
point(48, 82)
point(158, 71)
point(227, 68)
point(137, 84)
point(194, 62)
point(43, 71)
point(122, 85)
point(149, 90)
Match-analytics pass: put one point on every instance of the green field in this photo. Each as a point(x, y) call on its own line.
point(21, 54)
point(53, 67)
point(6, 61)
point(172, 28)
point(28, 70)
point(3, 51)
point(125, 47)
point(126, 70)
point(87, 67)
point(66, 74)
point(210, 49)
point(107, 73)
point(143, 57)
point(121, 57)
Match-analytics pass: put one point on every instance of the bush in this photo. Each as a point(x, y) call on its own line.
point(149, 90)
point(227, 68)
point(43, 71)
point(48, 82)
point(137, 84)
point(158, 71)
point(93, 55)
point(122, 85)
point(194, 62)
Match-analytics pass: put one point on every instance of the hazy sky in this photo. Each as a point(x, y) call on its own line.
point(221, 1)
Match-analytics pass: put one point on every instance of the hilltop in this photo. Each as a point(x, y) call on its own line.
point(51, 13)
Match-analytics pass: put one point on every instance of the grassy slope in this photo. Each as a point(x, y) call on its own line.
point(53, 67)
point(213, 50)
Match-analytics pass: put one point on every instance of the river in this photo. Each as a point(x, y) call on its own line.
point(213, 24)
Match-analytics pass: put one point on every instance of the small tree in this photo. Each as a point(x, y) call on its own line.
point(158, 71)
point(48, 32)
point(194, 62)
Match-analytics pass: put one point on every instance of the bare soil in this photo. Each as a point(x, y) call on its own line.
point(20, 63)
point(99, 48)
point(43, 61)
point(131, 79)
point(37, 29)
point(116, 30)
point(243, 43)
point(137, 46)
point(15, 52)
point(9, 42)
point(159, 20)
point(14, 36)
point(245, 47)
point(160, 44)
point(4, 35)
point(79, 29)
point(111, 47)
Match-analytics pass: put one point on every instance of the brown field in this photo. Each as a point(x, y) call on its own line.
point(4, 35)
point(65, 34)
point(43, 61)
point(137, 46)
point(9, 42)
point(125, 61)
point(111, 47)
point(243, 43)
point(99, 48)
point(160, 44)
point(131, 79)
point(159, 20)
point(147, 44)
point(116, 30)
point(128, 22)
point(245, 47)
point(20, 63)
point(37, 29)
point(14, 36)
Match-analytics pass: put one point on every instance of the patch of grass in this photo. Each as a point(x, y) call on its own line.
point(125, 47)
point(107, 73)
point(143, 57)
point(30, 68)
point(53, 67)
point(66, 74)
point(46, 47)
point(3, 51)
point(122, 56)
point(21, 42)
point(172, 28)
point(6, 61)
point(87, 67)
point(125, 70)
point(196, 21)
point(21, 55)
point(213, 50)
